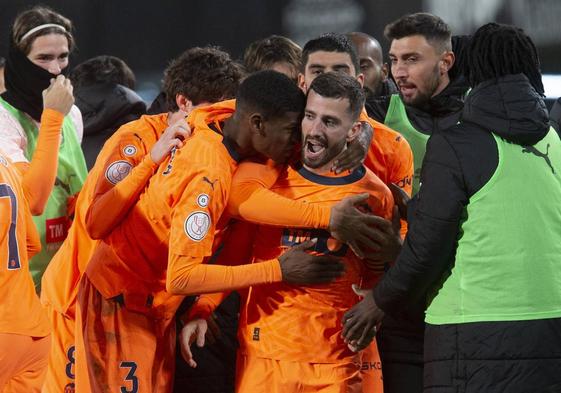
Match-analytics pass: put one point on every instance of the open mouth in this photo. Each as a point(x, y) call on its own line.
point(407, 90)
point(314, 148)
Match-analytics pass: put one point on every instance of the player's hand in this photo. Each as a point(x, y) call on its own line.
point(388, 238)
point(299, 267)
point(194, 330)
point(355, 153)
point(401, 199)
point(353, 227)
point(353, 344)
point(59, 96)
point(359, 323)
point(172, 137)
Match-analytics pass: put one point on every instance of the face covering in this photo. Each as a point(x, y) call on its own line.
point(25, 83)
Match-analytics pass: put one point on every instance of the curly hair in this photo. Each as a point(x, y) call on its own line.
point(497, 50)
point(36, 16)
point(202, 75)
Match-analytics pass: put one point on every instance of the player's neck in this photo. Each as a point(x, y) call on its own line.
point(238, 138)
point(327, 168)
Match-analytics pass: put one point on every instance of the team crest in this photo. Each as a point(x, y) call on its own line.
point(117, 171)
point(129, 150)
point(197, 225)
point(202, 200)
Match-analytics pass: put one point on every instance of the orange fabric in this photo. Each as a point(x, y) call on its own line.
point(371, 370)
point(257, 375)
point(61, 366)
point(390, 158)
point(20, 309)
point(23, 362)
point(303, 324)
point(250, 189)
point(114, 353)
point(40, 174)
point(129, 146)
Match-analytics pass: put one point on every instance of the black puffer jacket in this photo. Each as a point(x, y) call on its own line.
point(458, 163)
point(105, 108)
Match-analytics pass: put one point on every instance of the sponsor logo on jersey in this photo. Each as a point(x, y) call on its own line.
point(129, 150)
point(256, 332)
point(326, 245)
point(117, 171)
point(202, 200)
point(197, 225)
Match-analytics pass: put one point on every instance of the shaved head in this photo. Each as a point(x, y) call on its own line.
point(371, 60)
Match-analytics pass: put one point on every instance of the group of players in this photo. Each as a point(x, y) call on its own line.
point(277, 184)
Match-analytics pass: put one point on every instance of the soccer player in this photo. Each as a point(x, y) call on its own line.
point(289, 335)
point(24, 327)
point(40, 43)
point(122, 170)
point(276, 53)
point(486, 243)
point(128, 296)
point(372, 65)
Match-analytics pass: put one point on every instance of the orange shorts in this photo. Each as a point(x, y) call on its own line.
point(371, 370)
point(120, 350)
point(256, 375)
point(60, 372)
point(23, 363)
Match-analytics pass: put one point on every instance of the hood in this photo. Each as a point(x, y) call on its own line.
point(107, 106)
point(509, 107)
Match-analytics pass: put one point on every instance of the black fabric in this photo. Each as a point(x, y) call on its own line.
point(105, 107)
point(400, 344)
point(493, 357)
point(458, 162)
point(25, 83)
point(159, 105)
point(555, 116)
point(216, 363)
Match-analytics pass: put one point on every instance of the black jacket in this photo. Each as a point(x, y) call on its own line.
point(104, 109)
point(458, 162)
point(555, 116)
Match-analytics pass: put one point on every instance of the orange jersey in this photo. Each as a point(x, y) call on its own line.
point(20, 309)
point(177, 214)
point(124, 155)
point(389, 156)
point(303, 323)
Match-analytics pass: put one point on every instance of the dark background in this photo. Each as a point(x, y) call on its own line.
point(147, 34)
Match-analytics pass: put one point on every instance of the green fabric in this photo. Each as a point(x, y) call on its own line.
point(396, 118)
point(508, 261)
point(71, 174)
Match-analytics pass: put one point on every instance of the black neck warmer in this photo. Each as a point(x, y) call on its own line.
point(25, 83)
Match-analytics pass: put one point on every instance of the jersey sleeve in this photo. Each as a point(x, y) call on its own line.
point(40, 174)
point(252, 200)
point(127, 167)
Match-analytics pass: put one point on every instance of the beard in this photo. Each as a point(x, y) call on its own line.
point(327, 155)
point(421, 98)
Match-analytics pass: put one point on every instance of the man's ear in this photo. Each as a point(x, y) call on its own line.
point(447, 61)
point(355, 131)
point(302, 83)
point(256, 123)
point(360, 79)
point(385, 71)
point(184, 104)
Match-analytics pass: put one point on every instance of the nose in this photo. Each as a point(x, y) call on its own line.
point(399, 70)
point(317, 127)
point(54, 67)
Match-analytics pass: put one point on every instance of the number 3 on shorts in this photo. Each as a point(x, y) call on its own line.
point(130, 377)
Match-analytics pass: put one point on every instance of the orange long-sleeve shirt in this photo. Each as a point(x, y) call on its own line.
point(120, 173)
point(20, 309)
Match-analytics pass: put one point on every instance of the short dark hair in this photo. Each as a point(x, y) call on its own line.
point(103, 69)
point(37, 16)
point(271, 93)
point(434, 29)
point(497, 50)
point(262, 54)
point(202, 75)
point(331, 42)
point(340, 86)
